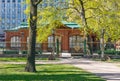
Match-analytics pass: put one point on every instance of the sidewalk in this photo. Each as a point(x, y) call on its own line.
point(108, 71)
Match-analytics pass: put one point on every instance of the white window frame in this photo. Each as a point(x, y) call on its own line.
point(15, 41)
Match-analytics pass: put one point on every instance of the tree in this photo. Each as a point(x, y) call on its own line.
point(96, 15)
point(30, 66)
point(106, 21)
point(50, 19)
point(77, 12)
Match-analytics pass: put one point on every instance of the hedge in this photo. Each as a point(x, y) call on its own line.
point(11, 52)
point(17, 52)
point(110, 52)
point(37, 52)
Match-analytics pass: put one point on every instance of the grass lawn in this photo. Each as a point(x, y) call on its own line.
point(12, 59)
point(115, 60)
point(111, 60)
point(20, 59)
point(48, 72)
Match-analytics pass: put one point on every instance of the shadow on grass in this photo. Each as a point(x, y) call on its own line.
point(59, 77)
point(112, 76)
point(45, 73)
point(12, 66)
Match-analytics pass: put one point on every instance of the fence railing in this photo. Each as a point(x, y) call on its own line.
point(21, 48)
point(17, 47)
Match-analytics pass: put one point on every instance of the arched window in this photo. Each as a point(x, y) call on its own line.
point(76, 42)
point(50, 41)
point(37, 44)
point(15, 41)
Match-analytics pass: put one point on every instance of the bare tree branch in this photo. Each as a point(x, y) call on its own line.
point(37, 2)
point(89, 17)
point(74, 8)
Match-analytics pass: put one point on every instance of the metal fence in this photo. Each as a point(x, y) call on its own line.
point(6, 47)
point(21, 48)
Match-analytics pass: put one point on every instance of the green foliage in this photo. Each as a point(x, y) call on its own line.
point(44, 31)
point(10, 52)
point(26, 51)
point(17, 52)
point(118, 52)
point(115, 60)
point(110, 52)
point(22, 59)
point(12, 59)
point(100, 14)
point(14, 72)
point(106, 17)
point(49, 18)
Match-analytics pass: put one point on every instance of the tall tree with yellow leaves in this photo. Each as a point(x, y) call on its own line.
point(30, 66)
point(100, 16)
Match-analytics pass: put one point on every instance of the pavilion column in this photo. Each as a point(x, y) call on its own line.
point(44, 46)
point(65, 42)
point(8, 41)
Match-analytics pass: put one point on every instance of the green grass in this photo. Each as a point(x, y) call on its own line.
point(12, 59)
point(20, 59)
point(111, 60)
point(115, 60)
point(11, 72)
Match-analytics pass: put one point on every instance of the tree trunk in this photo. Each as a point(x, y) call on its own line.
point(30, 66)
point(102, 43)
point(84, 22)
point(90, 44)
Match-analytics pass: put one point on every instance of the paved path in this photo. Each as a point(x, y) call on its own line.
point(108, 71)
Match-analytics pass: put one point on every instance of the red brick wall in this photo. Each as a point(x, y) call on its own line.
point(65, 33)
point(10, 34)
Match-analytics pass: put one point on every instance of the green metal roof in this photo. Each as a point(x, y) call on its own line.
point(68, 24)
point(71, 24)
point(22, 25)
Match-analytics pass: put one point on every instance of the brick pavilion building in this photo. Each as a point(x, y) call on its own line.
point(69, 36)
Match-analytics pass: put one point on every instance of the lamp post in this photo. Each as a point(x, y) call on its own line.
point(53, 34)
point(52, 55)
point(102, 43)
point(22, 43)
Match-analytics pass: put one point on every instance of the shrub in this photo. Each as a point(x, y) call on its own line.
point(11, 52)
point(17, 52)
point(118, 52)
point(110, 52)
point(37, 52)
point(24, 52)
